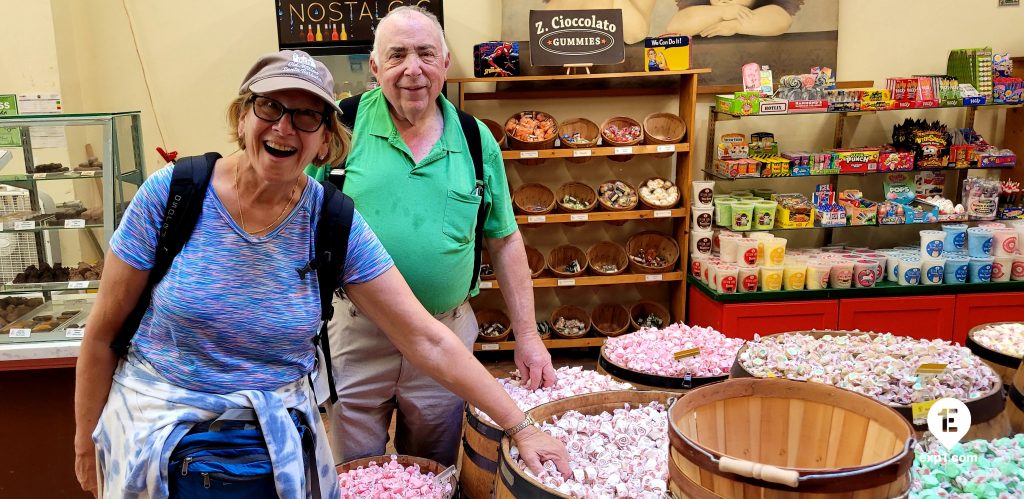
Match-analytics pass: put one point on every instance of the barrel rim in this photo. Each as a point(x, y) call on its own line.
point(489, 430)
point(868, 475)
point(654, 380)
point(986, 353)
point(984, 408)
point(506, 466)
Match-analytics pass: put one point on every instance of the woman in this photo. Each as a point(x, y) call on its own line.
point(230, 324)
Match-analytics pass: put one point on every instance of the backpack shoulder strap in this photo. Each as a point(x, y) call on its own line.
point(471, 131)
point(189, 182)
point(330, 249)
point(349, 108)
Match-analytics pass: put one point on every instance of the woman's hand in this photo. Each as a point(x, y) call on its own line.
point(85, 465)
point(535, 447)
point(730, 12)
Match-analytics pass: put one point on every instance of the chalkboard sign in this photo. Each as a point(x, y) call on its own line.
point(337, 27)
point(560, 37)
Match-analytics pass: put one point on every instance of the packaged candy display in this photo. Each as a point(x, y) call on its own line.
point(981, 198)
point(972, 66)
point(883, 368)
point(391, 479)
point(740, 103)
point(1011, 201)
point(972, 469)
point(571, 381)
point(859, 211)
point(862, 160)
point(531, 126)
point(827, 210)
point(794, 212)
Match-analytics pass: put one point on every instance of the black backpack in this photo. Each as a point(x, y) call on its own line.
point(350, 106)
point(189, 182)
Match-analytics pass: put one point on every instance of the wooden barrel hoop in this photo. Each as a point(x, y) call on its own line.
point(686, 382)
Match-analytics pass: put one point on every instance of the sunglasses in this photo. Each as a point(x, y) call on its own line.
point(268, 109)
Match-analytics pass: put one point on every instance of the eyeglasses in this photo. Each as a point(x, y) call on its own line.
point(268, 109)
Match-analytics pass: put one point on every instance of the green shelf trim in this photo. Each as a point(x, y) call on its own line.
point(880, 290)
point(861, 174)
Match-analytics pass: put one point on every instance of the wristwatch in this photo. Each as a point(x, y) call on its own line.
point(521, 426)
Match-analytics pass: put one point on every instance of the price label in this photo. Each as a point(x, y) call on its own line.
point(930, 369)
point(690, 352)
point(489, 346)
point(623, 150)
point(666, 148)
point(74, 332)
point(920, 411)
point(653, 277)
point(486, 285)
point(567, 282)
point(536, 219)
point(89, 173)
point(529, 154)
point(579, 153)
point(20, 333)
point(25, 225)
point(771, 375)
point(78, 284)
point(579, 217)
point(74, 223)
point(38, 175)
point(662, 213)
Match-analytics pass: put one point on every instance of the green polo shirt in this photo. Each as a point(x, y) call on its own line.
point(425, 214)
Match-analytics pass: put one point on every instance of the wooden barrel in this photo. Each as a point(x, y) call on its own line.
point(761, 438)
point(1015, 404)
point(988, 420)
point(1004, 365)
point(480, 442)
point(514, 483)
point(426, 465)
point(644, 381)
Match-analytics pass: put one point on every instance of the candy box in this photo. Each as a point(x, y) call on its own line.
point(962, 155)
point(773, 106)
point(863, 160)
point(827, 213)
point(859, 211)
point(763, 144)
point(774, 166)
point(740, 103)
point(738, 168)
point(890, 160)
point(733, 146)
point(891, 213)
point(794, 211)
point(921, 212)
point(1004, 160)
point(667, 53)
point(495, 59)
point(808, 106)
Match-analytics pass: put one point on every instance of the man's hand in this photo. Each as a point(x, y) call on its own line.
point(85, 466)
point(535, 447)
point(534, 362)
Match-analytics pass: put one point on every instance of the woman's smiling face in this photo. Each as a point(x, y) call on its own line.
point(278, 150)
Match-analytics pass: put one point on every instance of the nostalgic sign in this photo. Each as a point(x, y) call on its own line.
point(560, 37)
point(345, 25)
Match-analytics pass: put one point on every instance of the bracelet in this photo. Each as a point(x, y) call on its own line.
point(521, 426)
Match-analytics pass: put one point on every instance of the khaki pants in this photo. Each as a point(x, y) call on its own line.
point(373, 379)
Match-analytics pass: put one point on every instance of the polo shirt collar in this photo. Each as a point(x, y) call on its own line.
point(451, 137)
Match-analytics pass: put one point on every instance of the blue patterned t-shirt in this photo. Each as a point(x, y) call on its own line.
point(232, 312)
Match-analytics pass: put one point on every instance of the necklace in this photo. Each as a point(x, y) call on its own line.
point(241, 216)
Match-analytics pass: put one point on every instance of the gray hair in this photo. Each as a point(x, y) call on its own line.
point(406, 10)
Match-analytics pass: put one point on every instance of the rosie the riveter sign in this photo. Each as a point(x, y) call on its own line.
point(559, 37)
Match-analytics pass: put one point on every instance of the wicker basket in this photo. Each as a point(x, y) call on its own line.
point(559, 257)
point(490, 315)
point(650, 205)
point(536, 261)
point(520, 144)
point(497, 131)
point(608, 206)
point(485, 259)
point(645, 308)
point(588, 131)
point(652, 240)
point(570, 312)
point(426, 465)
point(533, 199)
point(610, 319)
point(580, 191)
point(663, 128)
point(607, 253)
point(620, 121)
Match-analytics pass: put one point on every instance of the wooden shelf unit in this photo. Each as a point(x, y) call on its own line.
point(589, 341)
point(679, 84)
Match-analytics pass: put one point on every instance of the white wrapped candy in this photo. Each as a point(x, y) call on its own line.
point(651, 351)
point(1003, 338)
point(571, 381)
point(391, 481)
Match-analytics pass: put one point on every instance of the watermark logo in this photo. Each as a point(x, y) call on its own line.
point(949, 419)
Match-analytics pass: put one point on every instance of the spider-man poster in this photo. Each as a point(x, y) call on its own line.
point(493, 59)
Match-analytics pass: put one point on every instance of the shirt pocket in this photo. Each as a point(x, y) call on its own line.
point(460, 211)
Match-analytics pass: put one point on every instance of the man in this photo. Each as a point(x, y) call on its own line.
point(412, 177)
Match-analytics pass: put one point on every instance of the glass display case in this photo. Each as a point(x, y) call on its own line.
point(60, 200)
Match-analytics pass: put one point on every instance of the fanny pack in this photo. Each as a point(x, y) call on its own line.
point(227, 458)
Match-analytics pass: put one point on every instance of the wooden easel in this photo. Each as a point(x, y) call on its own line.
point(574, 68)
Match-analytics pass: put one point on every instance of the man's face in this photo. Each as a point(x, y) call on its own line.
point(411, 66)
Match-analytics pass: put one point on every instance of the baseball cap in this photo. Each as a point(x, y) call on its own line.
point(290, 70)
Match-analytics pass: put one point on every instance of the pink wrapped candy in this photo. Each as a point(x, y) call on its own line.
point(881, 366)
point(391, 481)
point(571, 381)
point(1003, 338)
point(651, 351)
point(622, 454)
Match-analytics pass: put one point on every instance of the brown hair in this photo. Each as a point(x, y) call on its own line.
point(337, 148)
